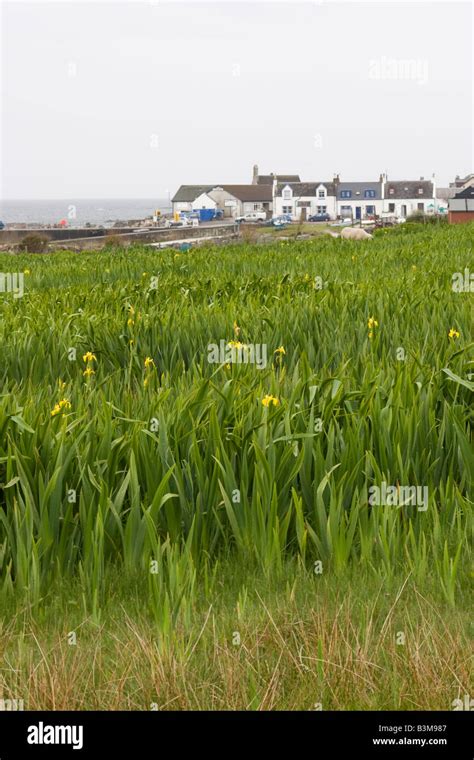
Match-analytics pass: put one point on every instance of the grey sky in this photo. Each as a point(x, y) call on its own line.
point(133, 99)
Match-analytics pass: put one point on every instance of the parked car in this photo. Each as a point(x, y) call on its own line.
point(252, 216)
point(2, 226)
point(277, 221)
point(319, 218)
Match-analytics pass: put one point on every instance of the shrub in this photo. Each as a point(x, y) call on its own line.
point(34, 243)
point(248, 233)
point(113, 241)
point(419, 216)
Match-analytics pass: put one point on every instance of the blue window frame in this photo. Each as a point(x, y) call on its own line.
point(346, 194)
point(369, 194)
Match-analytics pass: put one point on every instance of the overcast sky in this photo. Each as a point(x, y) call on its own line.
point(110, 100)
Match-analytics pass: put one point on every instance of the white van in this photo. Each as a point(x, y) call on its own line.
point(252, 216)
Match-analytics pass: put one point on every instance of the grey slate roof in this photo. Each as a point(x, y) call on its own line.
point(267, 179)
point(409, 189)
point(358, 190)
point(468, 192)
point(191, 192)
point(305, 189)
point(249, 192)
point(443, 193)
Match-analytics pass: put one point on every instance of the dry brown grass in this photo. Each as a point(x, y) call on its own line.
point(340, 655)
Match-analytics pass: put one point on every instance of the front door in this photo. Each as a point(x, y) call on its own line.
point(404, 211)
point(303, 214)
point(358, 212)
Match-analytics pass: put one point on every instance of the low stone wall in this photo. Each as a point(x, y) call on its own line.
point(217, 231)
point(16, 236)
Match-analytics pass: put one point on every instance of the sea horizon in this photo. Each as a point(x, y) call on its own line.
point(79, 211)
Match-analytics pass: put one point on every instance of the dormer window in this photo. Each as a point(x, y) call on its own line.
point(391, 191)
point(346, 194)
point(420, 191)
point(369, 193)
point(287, 193)
point(321, 193)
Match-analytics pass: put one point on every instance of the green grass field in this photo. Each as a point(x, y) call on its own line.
point(180, 534)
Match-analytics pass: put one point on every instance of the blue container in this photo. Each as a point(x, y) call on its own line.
point(206, 214)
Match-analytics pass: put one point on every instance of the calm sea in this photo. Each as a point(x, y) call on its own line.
point(78, 212)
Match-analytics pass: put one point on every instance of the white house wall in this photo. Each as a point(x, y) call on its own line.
point(329, 201)
point(203, 201)
point(230, 205)
point(179, 206)
point(249, 206)
point(411, 205)
point(346, 207)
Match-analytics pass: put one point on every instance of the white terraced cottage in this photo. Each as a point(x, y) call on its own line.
point(304, 199)
point(278, 194)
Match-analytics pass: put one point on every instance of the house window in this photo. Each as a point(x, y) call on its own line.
point(392, 191)
point(346, 210)
point(322, 209)
point(369, 210)
point(369, 194)
point(420, 191)
point(391, 208)
point(421, 206)
point(287, 209)
point(286, 195)
point(321, 193)
point(346, 194)
point(256, 207)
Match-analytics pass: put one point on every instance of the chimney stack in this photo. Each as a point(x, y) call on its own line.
point(255, 175)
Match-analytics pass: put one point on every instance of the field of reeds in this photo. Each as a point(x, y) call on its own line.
point(187, 533)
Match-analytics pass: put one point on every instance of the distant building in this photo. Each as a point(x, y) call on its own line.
point(461, 207)
point(268, 179)
point(285, 193)
point(359, 200)
point(249, 198)
point(405, 197)
point(460, 183)
point(303, 199)
point(443, 194)
point(192, 197)
point(233, 200)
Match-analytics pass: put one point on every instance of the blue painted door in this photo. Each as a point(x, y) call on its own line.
point(358, 210)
